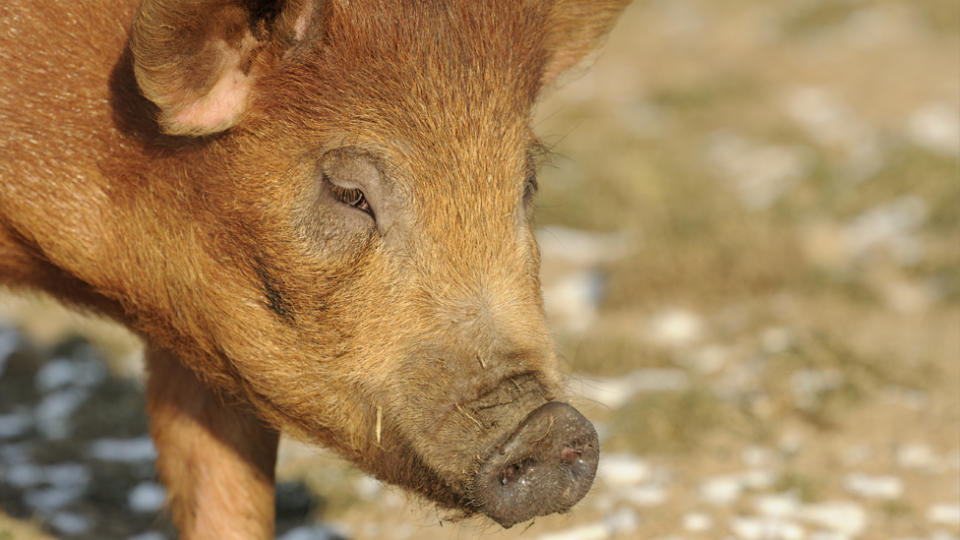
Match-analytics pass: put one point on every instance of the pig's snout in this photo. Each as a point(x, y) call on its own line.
point(545, 466)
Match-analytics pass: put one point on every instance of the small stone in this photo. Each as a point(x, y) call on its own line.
point(873, 487)
point(945, 514)
point(721, 490)
point(697, 522)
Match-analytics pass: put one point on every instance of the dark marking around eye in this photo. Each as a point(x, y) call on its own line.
point(275, 301)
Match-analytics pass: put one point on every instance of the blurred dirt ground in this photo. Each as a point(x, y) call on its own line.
point(750, 224)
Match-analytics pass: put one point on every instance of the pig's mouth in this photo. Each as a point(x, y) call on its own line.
point(545, 466)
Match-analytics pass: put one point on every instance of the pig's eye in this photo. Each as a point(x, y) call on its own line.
point(351, 197)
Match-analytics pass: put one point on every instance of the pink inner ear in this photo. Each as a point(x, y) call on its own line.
point(222, 104)
point(220, 107)
point(300, 25)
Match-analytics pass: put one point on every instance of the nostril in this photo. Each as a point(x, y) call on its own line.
point(569, 456)
point(509, 474)
point(516, 472)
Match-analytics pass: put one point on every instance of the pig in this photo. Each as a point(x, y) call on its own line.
point(317, 216)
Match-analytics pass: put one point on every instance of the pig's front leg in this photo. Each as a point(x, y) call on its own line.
point(216, 460)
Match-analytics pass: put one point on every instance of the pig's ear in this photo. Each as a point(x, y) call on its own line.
point(197, 60)
point(577, 27)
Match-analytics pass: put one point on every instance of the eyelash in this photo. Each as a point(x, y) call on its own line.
point(352, 197)
point(530, 187)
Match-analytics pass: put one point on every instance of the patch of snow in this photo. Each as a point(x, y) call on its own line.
point(367, 486)
point(889, 226)
point(721, 490)
point(832, 124)
point(123, 450)
point(311, 532)
point(622, 522)
point(581, 247)
point(843, 517)
point(50, 499)
point(708, 359)
point(936, 127)
point(9, 342)
point(574, 299)
point(15, 424)
point(776, 505)
point(52, 415)
point(617, 470)
point(645, 496)
point(916, 455)
point(614, 392)
point(945, 514)
point(873, 487)
point(697, 522)
point(809, 384)
point(676, 327)
point(761, 174)
point(71, 523)
point(68, 475)
point(593, 531)
point(766, 528)
point(25, 475)
point(147, 497)
point(776, 340)
point(65, 371)
point(756, 456)
point(148, 535)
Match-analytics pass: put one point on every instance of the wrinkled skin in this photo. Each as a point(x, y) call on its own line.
point(317, 216)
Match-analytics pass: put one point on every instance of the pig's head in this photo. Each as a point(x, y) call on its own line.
point(363, 269)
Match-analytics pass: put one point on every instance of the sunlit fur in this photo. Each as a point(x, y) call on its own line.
point(216, 250)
